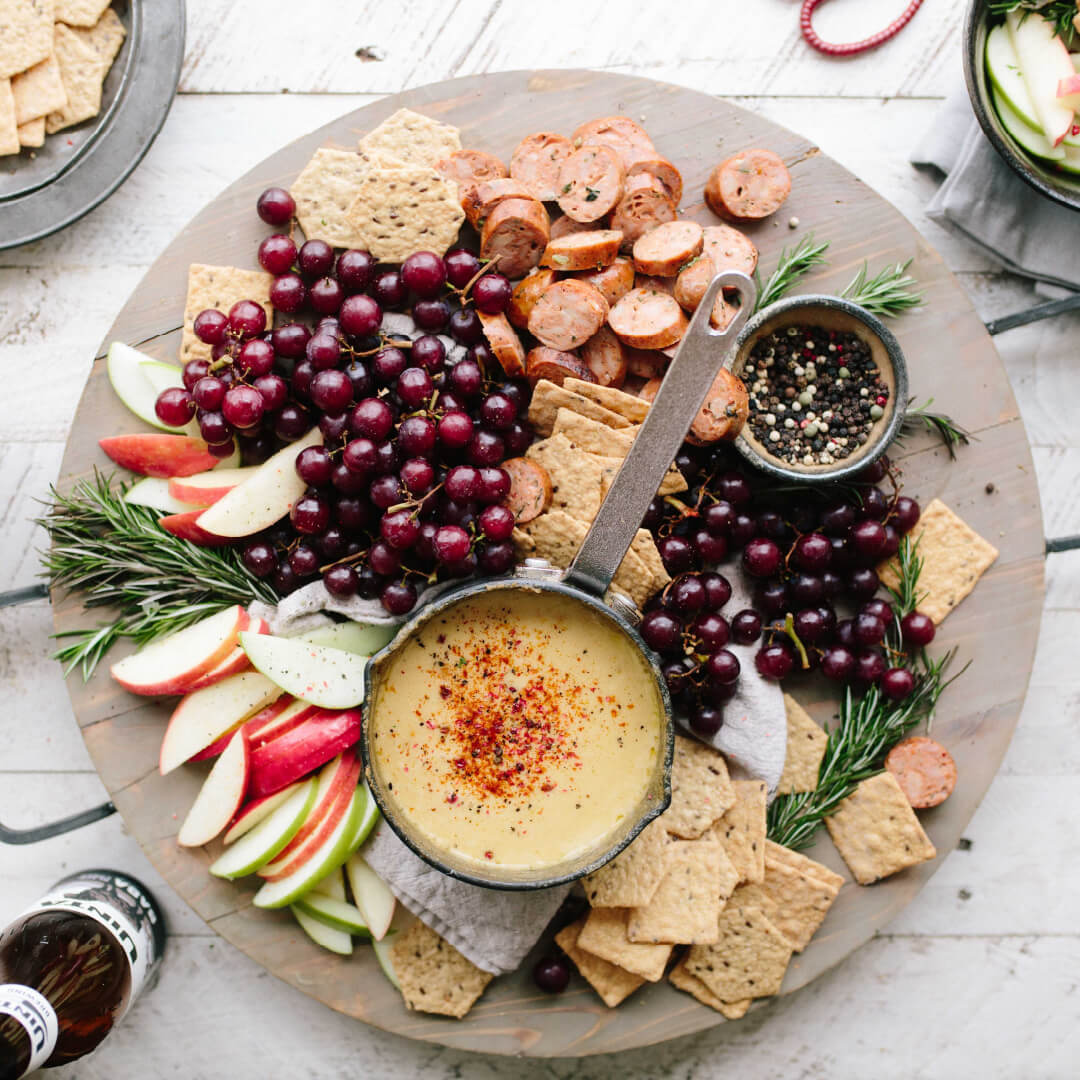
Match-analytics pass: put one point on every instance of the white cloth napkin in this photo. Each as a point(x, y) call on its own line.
point(982, 198)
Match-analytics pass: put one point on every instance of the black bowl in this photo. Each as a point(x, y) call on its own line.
point(1062, 187)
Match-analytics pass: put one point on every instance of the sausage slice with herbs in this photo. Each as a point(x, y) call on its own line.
point(613, 281)
point(924, 769)
point(663, 251)
point(605, 356)
point(504, 343)
point(568, 314)
point(590, 183)
point(648, 319)
point(536, 161)
point(527, 291)
point(515, 235)
point(644, 205)
point(556, 366)
point(748, 186)
point(530, 489)
point(582, 250)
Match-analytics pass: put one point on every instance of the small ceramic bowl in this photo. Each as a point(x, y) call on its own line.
point(1062, 187)
point(829, 313)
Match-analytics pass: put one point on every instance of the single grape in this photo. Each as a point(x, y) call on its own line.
point(735, 488)
point(326, 295)
point(676, 553)
point(291, 422)
point(304, 560)
point(661, 631)
point(210, 326)
point(243, 406)
point(388, 289)
point(918, 629)
point(384, 558)
point(370, 585)
point(461, 267)
point(881, 608)
point(360, 456)
point(310, 515)
point(259, 558)
point(828, 618)
point(723, 667)
point(385, 491)
point(496, 522)
point(551, 974)
point(450, 401)
point(416, 436)
point(353, 512)
point(897, 683)
point(466, 378)
point(497, 412)
point(462, 483)
point(247, 318)
point(276, 253)
point(838, 663)
point(485, 448)
point(399, 529)
point(355, 269)
point(875, 471)
point(424, 273)
point(496, 557)
point(869, 666)
point(905, 514)
point(774, 661)
point(341, 581)
point(712, 631)
point(255, 357)
point(491, 294)
point(458, 513)
point(686, 595)
point(290, 340)
point(451, 544)
point(746, 627)
point(323, 350)
point(193, 371)
point(772, 526)
point(845, 633)
point(837, 519)
point(387, 364)
point(315, 259)
point(809, 625)
point(359, 315)
point(812, 553)
point(331, 545)
point(313, 466)
point(709, 548)
point(892, 542)
point(357, 373)
point(174, 406)
point(481, 354)
point(372, 418)
point(868, 629)
point(706, 720)
point(874, 504)
point(302, 375)
point(772, 597)
point(430, 352)
point(415, 387)
point(418, 475)
point(285, 581)
point(465, 327)
point(675, 673)
point(331, 391)
point(833, 584)
point(275, 206)
point(431, 315)
point(743, 529)
point(718, 518)
point(863, 583)
point(843, 554)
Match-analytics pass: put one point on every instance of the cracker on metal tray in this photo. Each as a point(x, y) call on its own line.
point(9, 130)
point(38, 91)
point(806, 743)
point(877, 832)
point(32, 133)
point(105, 37)
point(613, 983)
point(434, 976)
point(26, 34)
point(219, 287)
point(79, 12)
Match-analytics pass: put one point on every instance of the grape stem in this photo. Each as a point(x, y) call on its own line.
point(800, 648)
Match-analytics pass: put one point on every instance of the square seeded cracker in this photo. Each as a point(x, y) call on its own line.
point(26, 34)
point(604, 935)
point(105, 37)
point(613, 983)
point(801, 902)
point(806, 744)
point(219, 287)
point(325, 189)
point(742, 829)
point(681, 979)
point(685, 908)
point(954, 557)
point(404, 209)
point(633, 409)
point(82, 73)
point(434, 976)
point(672, 483)
point(548, 398)
point(701, 790)
point(32, 133)
point(38, 91)
point(749, 959)
point(644, 547)
point(79, 12)
point(630, 880)
point(778, 855)
point(413, 138)
point(9, 130)
point(575, 476)
point(877, 832)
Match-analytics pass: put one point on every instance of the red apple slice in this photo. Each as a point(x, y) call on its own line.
point(171, 664)
point(319, 826)
point(264, 497)
point(204, 489)
point(234, 663)
point(294, 754)
point(219, 798)
point(250, 814)
point(187, 527)
point(205, 715)
point(159, 455)
point(276, 719)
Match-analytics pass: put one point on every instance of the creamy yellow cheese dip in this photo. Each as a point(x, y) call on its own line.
point(516, 729)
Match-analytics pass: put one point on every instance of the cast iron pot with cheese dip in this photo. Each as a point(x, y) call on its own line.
point(518, 733)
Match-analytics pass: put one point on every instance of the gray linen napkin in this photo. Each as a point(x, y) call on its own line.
point(983, 199)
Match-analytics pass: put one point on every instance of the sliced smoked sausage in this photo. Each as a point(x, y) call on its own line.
point(469, 167)
point(645, 363)
point(628, 139)
point(605, 356)
point(568, 314)
point(530, 489)
point(515, 235)
point(556, 366)
point(724, 413)
point(665, 250)
point(645, 205)
point(750, 185)
point(583, 250)
point(566, 226)
point(523, 299)
point(504, 343)
point(613, 281)
point(648, 319)
point(590, 183)
point(693, 280)
point(730, 249)
point(536, 160)
point(924, 769)
point(485, 195)
point(662, 170)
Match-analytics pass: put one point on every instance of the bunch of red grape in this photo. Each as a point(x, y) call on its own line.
point(406, 487)
point(812, 558)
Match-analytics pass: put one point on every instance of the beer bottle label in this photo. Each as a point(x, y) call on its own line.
point(122, 907)
point(33, 1011)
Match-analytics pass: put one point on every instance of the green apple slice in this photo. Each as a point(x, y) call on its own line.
point(1034, 142)
point(335, 913)
point(1003, 67)
point(320, 675)
point(336, 941)
point(384, 954)
point(375, 901)
point(153, 491)
point(333, 885)
point(138, 379)
point(330, 855)
point(258, 847)
point(1071, 161)
point(368, 817)
point(364, 639)
point(1044, 62)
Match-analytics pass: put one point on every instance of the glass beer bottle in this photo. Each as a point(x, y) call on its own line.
point(70, 967)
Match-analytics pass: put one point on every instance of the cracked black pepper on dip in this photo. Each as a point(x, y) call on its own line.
point(815, 394)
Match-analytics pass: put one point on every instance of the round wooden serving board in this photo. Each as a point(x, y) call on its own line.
point(951, 359)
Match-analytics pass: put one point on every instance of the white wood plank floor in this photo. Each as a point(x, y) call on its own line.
point(978, 977)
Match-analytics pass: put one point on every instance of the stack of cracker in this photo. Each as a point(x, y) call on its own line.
point(386, 197)
point(589, 431)
point(54, 56)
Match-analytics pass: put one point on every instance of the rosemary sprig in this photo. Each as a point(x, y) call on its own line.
point(1059, 12)
point(889, 292)
point(945, 427)
point(118, 556)
point(869, 727)
point(905, 593)
point(793, 265)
